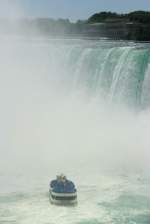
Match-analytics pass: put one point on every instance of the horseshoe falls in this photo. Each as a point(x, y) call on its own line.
point(81, 107)
point(117, 73)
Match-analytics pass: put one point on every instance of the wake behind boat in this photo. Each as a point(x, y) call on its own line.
point(62, 191)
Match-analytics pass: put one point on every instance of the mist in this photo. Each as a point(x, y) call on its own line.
point(49, 126)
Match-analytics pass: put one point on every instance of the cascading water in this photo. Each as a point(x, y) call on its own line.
point(118, 72)
point(79, 107)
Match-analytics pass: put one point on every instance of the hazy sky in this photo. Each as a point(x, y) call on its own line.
point(72, 9)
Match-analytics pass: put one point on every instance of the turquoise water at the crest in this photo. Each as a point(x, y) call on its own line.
point(118, 73)
point(80, 107)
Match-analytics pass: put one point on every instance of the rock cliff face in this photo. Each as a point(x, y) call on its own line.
point(132, 26)
point(125, 31)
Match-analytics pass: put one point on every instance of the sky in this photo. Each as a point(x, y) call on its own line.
point(72, 9)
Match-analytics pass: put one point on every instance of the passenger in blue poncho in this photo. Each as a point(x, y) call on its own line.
point(62, 185)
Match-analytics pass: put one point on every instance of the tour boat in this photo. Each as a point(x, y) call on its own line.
point(62, 191)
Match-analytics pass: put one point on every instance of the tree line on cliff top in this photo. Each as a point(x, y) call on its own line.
point(135, 17)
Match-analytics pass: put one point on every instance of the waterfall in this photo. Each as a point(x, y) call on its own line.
point(117, 73)
point(145, 97)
